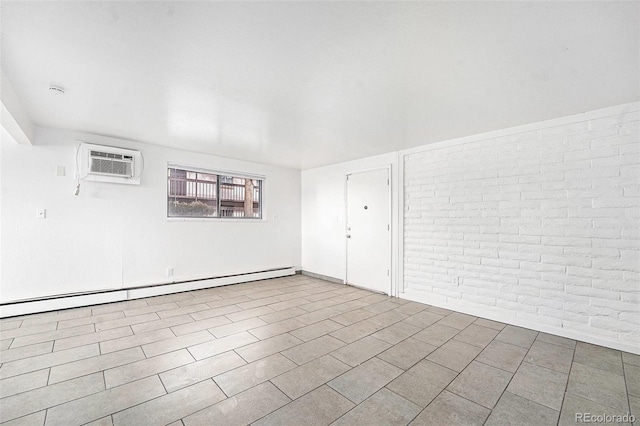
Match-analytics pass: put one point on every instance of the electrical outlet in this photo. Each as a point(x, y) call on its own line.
point(455, 281)
point(169, 272)
point(42, 214)
point(60, 171)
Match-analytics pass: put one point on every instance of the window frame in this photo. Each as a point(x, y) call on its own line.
point(218, 173)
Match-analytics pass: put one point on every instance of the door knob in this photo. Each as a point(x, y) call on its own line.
point(348, 236)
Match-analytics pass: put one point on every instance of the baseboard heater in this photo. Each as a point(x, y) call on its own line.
point(75, 300)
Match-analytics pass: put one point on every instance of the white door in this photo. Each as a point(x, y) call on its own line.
point(369, 230)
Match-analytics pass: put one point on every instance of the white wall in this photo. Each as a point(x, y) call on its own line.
point(113, 236)
point(536, 225)
point(323, 214)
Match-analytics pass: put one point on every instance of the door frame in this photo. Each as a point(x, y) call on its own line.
point(387, 167)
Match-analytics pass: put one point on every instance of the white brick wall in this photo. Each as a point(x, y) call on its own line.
point(540, 226)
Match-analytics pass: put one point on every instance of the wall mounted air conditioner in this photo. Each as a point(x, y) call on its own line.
point(109, 164)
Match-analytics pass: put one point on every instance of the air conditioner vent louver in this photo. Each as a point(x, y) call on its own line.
point(110, 164)
point(111, 167)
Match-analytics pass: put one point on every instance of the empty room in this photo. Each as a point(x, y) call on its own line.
point(320, 213)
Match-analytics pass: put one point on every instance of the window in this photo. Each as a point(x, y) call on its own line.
point(197, 193)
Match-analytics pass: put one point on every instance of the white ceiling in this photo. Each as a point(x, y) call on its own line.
point(304, 84)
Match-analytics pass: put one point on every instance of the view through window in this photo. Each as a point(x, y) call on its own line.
point(192, 193)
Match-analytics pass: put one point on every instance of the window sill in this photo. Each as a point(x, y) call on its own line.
point(214, 219)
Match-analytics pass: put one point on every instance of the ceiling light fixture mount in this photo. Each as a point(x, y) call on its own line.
point(56, 90)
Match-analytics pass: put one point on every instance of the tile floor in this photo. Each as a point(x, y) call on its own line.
point(299, 351)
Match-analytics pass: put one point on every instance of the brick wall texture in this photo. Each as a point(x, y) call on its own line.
point(542, 226)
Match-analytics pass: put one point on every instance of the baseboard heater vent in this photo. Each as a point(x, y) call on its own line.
point(76, 300)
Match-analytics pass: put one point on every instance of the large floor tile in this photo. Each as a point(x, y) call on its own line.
point(94, 364)
point(454, 355)
point(632, 377)
point(352, 317)
point(289, 307)
point(8, 355)
point(281, 315)
point(276, 328)
point(515, 410)
point(320, 315)
point(188, 309)
point(137, 370)
point(41, 398)
point(223, 344)
point(32, 339)
point(517, 336)
point(241, 409)
point(300, 380)
point(201, 325)
point(90, 319)
point(553, 357)
point(422, 382)
point(24, 382)
point(359, 351)
point(312, 349)
point(380, 307)
point(382, 408)
point(539, 384)
point(214, 312)
point(556, 340)
point(155, 307)
point(195, 372)
point(599, 386)
point(236, 327)
point(411, 308)
point(357, 331)
point(118, 306)
point(632, 359)
point(489, 324)
point(407, 353)
point(5, 344)
point(221, 303)
point(250, 313)
point(318, 329)
point(437, 310)
point(39, 362)
point(176, 343)
point(599, 357)
point(135, 340)
point(86, 339)
point(35, 419)
point(634, 404)
point(264, 348)
point(396, 333)
point(99, 405)
point(319, 407)
point(28, 330)
point(436, 334)
point(422, 319)
point(450, 409)
point(502, 355)
point(171, 407)
point(575, 409)
point(481, 384)
point(130, 321)
point(457, 320)
point(247, 376)
point(388, 318)
point(364, 380)
point(476, 335)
